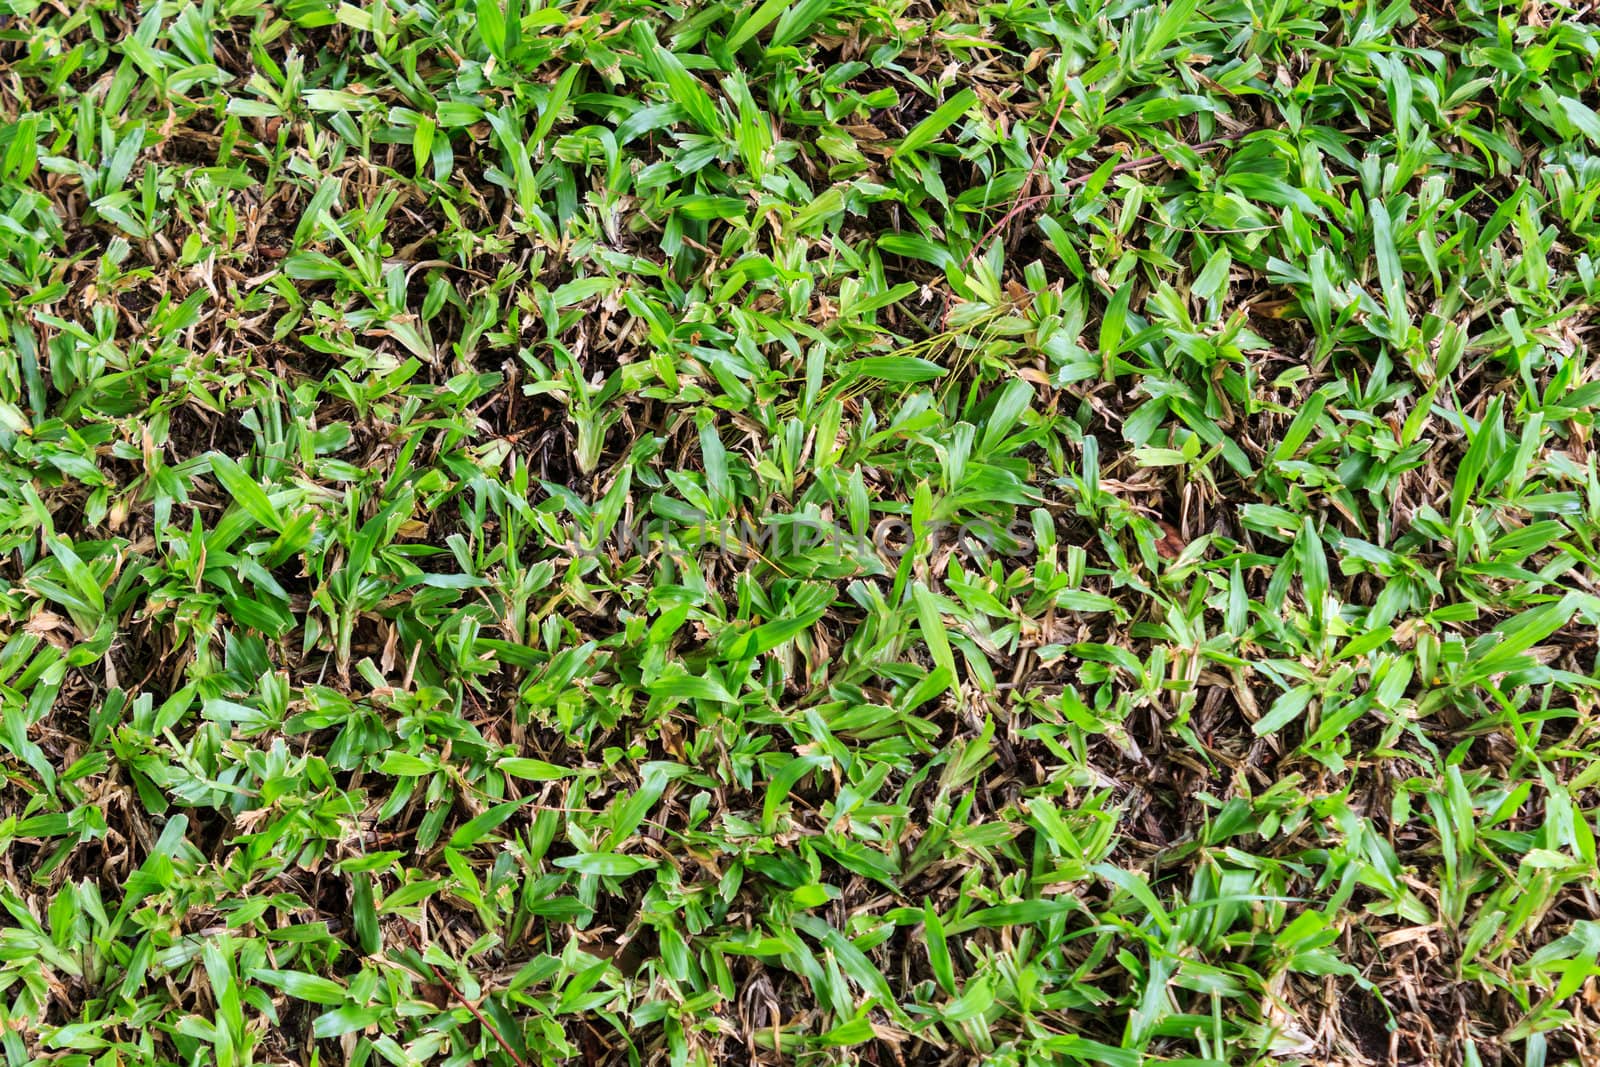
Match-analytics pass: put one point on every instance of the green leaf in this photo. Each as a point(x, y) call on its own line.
point(302, 986)
point(756, 21)
point(1286, 709)
point(905, 369)
point(1391, 275)
point(474, 830)
point(933, 628)
point(928, 130)
point(685, 89)
point(611, 865)
point(346, 1020)
point(534, 770)
point(245, 492)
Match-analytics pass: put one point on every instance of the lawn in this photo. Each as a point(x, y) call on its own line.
point(1040, 532)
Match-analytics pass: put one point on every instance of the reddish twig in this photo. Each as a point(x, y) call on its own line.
point(1024, 202)
point(1016, 205)
point(1071, 183)
point(1027, 183)
point(476, 1014)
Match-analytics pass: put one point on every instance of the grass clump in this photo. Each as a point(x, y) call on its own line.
point(823, 532)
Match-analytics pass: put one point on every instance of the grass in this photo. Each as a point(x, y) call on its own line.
point(895, 533)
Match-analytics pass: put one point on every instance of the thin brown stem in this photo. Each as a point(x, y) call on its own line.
point(1027, 182)
point(1024, 202)
point(476, 1014)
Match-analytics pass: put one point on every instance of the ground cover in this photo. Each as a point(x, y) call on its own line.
point(821, 532)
